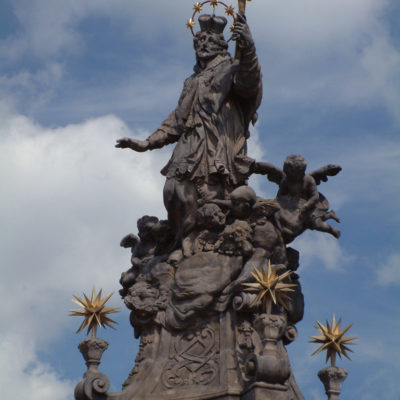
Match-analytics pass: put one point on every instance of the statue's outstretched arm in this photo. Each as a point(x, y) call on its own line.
point(165, 134)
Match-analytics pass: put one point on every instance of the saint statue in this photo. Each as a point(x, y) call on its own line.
point(210, 123)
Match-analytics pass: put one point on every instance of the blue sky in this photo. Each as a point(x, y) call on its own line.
point(77, 75)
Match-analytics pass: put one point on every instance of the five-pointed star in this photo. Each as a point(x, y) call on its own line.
point(190, 23)
point(333, 340)
point(270, 286)
point(94, 312)
point(198, 7)
point(229, 10)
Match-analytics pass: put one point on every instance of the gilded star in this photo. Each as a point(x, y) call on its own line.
point(94, 312)
point(333, 340)
point(198, 7)
point(270, 287)
point(214, 3)
point(190, 23)
point(229, 10)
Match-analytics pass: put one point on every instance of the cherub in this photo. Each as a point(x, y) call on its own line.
point(301, 205)
point(240, 203)
point(258, 212)
point(142, 247)
point(210, 215)
point(211, 220)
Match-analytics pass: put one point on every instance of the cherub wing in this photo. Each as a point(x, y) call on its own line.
point(274, 174)
point(129, 240)
point(321, 174)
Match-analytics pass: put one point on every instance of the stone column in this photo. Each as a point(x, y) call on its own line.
point(332, 378)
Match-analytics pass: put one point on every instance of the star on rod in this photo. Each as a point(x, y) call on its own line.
point(270, 287)
point(333, 340)
point(94, 311)
point(214, 3)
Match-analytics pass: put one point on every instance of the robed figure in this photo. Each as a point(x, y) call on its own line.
point(210, 123)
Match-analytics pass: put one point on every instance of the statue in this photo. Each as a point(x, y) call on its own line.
point(213, 290)
point(301, 206)
point(209, 124)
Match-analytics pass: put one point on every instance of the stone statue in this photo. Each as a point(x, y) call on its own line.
point(301, 206)
point(210, 123)
point(213, 292)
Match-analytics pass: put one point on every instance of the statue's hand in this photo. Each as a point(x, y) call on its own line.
point(134, 144)
point(241, 33)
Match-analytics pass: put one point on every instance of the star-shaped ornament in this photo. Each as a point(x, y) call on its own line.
point(94, 311)
point(214, 2)
point(333, 340)
point(229, 10)
point(270, 287)
point(190, 23)
point(198, 7)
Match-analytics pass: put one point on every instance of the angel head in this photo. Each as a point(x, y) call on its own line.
point(295, 166)
point(210, 216)
point(243, 199)
point(145, 227)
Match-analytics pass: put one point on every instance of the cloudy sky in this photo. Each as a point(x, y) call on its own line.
point(77, 75)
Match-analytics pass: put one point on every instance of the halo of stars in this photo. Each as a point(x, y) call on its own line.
point(198, 7)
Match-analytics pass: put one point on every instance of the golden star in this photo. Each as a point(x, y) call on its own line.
point(198, 7)
point(214, 3)
point(332, 340)
point(94, 312)
point(229, 10)
point(270, 287)
point(190, 23)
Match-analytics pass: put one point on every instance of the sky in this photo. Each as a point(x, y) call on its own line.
point(77, 75)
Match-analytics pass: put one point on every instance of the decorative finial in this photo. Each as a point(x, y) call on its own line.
point(270, 287)
point(94, 312)
point(333, 340)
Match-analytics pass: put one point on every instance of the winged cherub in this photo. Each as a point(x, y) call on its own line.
point(301, 205)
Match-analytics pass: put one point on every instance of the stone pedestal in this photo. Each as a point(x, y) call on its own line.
point(332, 378)
point(94, 384)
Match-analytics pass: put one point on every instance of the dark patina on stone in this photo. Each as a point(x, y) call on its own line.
point(201, 335)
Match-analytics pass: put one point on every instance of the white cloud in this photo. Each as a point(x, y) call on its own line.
point(69, 198)
point(24, 377)
point(388, 274)
point(338, 53)
point(317, 248)
point(314, 50)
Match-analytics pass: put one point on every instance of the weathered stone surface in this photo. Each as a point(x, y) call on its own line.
point(206, 330)
point(332, 378)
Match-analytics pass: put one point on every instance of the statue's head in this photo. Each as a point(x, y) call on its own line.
point(243, 199)
point(295, 166)
point(145, 227)
point(210, 216)
point(209, 41)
